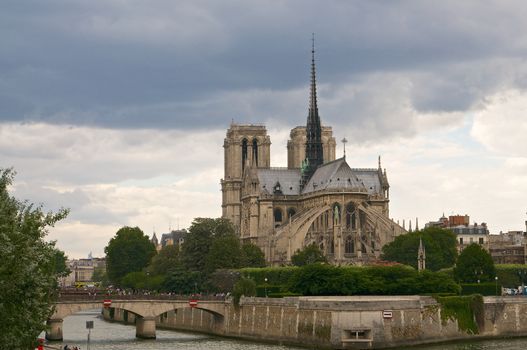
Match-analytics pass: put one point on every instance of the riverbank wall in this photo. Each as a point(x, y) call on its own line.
point(356, 322)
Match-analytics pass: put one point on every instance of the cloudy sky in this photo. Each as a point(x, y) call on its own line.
point(117, 109)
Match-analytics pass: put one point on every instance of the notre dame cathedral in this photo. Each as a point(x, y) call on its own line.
point(316, 199)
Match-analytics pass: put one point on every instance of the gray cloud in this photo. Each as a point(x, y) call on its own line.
point(166, 64)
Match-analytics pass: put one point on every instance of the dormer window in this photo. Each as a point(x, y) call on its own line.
point(277, 189)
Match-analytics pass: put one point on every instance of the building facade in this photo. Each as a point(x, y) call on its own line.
point(466, 233)
point(316, 199)
point(508, 247)
point(82, 271)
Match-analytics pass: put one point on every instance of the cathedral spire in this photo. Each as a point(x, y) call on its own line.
point(313, 108)
point(314, 156)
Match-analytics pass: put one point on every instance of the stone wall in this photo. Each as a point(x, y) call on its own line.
point(344, 322)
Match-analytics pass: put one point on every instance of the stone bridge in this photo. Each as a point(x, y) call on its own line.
point(146, 311)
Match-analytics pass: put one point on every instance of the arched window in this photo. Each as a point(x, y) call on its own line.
point(278, 215)
point(331, 244)
point(363, 248)
point(255, 152)
point(350, 216)
point(244, 152)
point(349, 246)
point(291, 212)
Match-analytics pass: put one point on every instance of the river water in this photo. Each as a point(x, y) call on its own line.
point(114, 336)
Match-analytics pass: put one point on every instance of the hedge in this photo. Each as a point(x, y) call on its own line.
point(487, 288)
point(274, 275)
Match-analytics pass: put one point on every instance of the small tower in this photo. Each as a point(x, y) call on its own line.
point(155, 241)
point(421, 256)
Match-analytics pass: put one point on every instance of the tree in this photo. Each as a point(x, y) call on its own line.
point(165, 261)
point(252, 256)
point(309, 255)
point(139, 280)
point(182, 281)
point(474, 263)
point(129, 250)
point(440, 247)
point(224, 253)
point(29, 268)
point(99, 275)
point(199, 240)
point(61, 269)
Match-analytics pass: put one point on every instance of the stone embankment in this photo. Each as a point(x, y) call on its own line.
point(345, 322)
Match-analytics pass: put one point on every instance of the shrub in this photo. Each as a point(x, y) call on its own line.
point(244, 287)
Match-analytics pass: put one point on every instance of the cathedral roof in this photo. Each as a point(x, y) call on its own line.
point(289, 180)
point(370, 178)
point(338, 175)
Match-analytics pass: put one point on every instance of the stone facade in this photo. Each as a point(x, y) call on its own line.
point(317, 199)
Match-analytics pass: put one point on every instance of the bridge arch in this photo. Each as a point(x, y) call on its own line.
point(145, 311)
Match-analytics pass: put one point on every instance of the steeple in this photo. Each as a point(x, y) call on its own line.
point(421, 256)
point(314, 156)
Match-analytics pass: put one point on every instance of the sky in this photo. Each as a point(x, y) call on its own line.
point(117, 109)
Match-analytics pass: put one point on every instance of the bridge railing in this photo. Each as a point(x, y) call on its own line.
point(102, 297)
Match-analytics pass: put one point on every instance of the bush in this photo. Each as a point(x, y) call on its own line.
point(244, 287)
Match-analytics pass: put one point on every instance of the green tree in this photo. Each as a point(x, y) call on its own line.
point(99, 275)
point(440, 247)
point(223, 280)
point(183, 281)
point(61, 269)
point(199, 240)
point(29, 268)
point(166, 260)
point(140, 280)
point(308, 255)
point(474, 263)
point(252, 256)
point(225, 253)
point(130, 250)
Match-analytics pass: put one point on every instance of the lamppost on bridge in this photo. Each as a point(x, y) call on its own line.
point(265, 287)
point(496, 279)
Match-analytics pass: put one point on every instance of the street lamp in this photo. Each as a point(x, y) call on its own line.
point(496, 279)
point(265, 287)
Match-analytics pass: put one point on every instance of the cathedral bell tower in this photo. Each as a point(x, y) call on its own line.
point(244, 144)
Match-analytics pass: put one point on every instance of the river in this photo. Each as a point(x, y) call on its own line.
point(114, 336)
